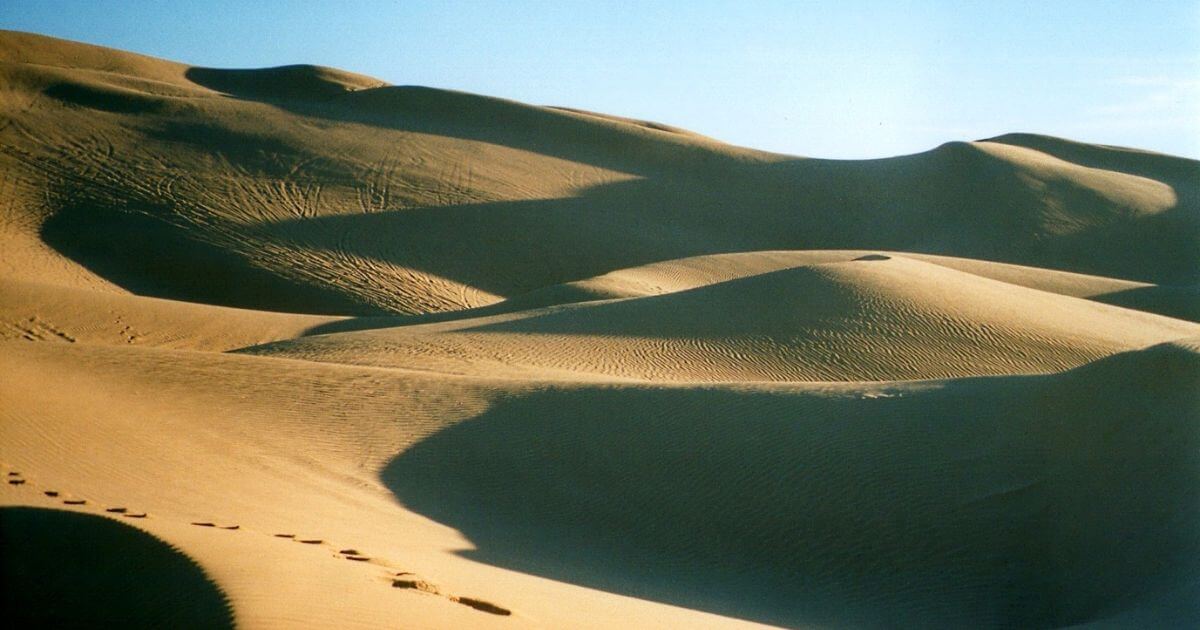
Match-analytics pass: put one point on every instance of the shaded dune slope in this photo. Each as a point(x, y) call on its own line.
point(999, 502)
point(71, 570)
point(329, 193)
point(864, 319)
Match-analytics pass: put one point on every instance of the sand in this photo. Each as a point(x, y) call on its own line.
point(293, 347)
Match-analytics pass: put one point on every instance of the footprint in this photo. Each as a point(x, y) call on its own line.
point(400, 579)
point(479, 604)
point(406, 580)
point(418, 585)
point(353, 554)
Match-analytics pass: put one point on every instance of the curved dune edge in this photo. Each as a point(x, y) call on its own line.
point(32, 311)
point(35, 311)
point(822, 316)
point(325, 192)
point(265, 472)
point(670, 276)
point(592, 493)
point(67, 569)
point(996, 502)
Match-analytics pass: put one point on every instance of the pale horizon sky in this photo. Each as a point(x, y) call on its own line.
point(820, 79)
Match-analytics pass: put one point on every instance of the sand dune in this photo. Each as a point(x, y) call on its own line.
point(289, 185)
point(277, 448)
point(982, 502)
point(303, 349)
point(871, 318)
point(686, 273)
point(843, 506)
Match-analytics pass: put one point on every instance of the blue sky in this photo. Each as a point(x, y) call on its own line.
point(823, 79)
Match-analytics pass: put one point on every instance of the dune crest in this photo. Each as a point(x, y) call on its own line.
point(868, 318)
point(293, 347)
point(290, 177)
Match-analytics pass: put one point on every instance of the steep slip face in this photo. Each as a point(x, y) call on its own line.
point(876, 318)
point(322, 191)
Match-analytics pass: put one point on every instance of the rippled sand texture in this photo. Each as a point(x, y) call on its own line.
point(292, 347)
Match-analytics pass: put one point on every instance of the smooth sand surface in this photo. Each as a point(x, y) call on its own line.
point(292, 347)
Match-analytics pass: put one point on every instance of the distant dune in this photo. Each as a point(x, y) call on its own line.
point(326, 191)
point(299, 348)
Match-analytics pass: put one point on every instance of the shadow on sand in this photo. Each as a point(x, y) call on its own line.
point(1001, 502)
point(688, 199)
point(69, 570)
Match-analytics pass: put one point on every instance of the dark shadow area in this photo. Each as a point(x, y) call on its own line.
point(106, 98)
point(352, 324)
point(513, 247)
point(1179, 302)
point(1028, 502)
point(301, 81)
point(151, 257)
point(69, 570)
point(252, 150)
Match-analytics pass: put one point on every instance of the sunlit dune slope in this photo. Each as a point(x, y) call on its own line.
point(985, 502)
point(871, 318)
point(264, 471)
point(1181, 302)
